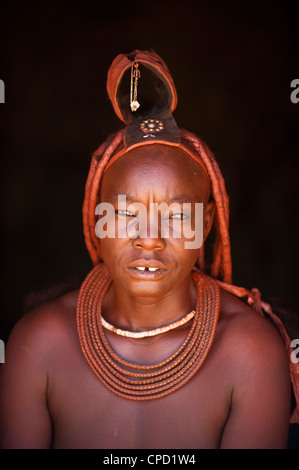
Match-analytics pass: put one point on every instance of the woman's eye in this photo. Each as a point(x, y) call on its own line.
point(125, 213)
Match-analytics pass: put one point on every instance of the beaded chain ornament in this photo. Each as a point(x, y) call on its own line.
point(145, 381)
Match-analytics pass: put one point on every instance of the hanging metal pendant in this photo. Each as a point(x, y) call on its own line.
point(134, 105)
point(135, 75)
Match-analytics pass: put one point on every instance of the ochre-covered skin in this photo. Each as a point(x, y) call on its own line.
point(221, 268)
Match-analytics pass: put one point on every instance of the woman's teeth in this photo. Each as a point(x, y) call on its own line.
point(142, 268)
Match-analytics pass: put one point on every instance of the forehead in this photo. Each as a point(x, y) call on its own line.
point(156, 166)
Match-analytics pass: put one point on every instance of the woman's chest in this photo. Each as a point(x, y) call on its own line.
point(86, 414)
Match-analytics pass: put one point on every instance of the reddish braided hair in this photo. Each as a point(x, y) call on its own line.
point(221, 265)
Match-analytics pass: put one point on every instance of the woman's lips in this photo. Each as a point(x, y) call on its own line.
point(147, 264)
point(143, 272)
point(147, 269)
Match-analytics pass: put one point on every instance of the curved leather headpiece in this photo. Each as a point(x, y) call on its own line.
point(156, 94)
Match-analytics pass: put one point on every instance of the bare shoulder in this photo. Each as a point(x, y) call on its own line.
point(44, 327)
point(35, 345)
point(255, 364)
point(249, 336)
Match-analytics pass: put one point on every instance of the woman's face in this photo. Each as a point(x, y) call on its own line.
point(145, 264)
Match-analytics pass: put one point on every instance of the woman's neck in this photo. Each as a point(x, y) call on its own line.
point(138, 313)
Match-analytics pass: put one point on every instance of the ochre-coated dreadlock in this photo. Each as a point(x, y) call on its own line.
point(221, 266)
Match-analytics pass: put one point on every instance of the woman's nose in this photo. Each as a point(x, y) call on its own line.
point(149, 237)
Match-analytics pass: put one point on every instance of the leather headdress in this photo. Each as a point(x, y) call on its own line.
point(156, 95)
point(153, 121)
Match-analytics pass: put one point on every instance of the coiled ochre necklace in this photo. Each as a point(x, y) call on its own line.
point(145, 381)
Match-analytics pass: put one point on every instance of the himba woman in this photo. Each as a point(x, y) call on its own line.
point(157, 349)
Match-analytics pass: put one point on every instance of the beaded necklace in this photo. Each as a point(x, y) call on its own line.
point(146, 334)
point(145, 381)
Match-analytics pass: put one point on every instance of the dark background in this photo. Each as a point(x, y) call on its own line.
point(232, 65)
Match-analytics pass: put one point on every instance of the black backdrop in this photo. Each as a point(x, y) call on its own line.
point(232, 65)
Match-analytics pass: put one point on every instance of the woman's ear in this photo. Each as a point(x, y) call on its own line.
point(208, 217)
